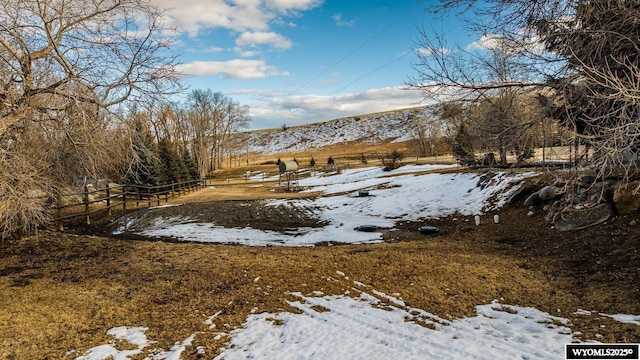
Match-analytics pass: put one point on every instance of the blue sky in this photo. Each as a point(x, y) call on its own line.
point(302, 61)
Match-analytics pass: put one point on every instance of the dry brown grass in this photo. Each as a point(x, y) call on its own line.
point(349, 154)
point(63, 292)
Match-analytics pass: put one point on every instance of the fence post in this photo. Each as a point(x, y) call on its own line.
point(108, 199)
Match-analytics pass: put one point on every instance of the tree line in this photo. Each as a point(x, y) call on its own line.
point(490, 126)
point(184, 141)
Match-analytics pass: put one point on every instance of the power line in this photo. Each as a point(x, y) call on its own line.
point(351, 53)
point(372, 72)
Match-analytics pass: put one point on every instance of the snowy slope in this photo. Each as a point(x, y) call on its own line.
point(399, 125)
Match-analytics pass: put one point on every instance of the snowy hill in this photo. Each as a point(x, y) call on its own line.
point(378, 128)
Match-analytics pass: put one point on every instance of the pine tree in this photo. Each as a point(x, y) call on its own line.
point(190, 165)
point(462, 147)
point(170, 161)
point(146, 169)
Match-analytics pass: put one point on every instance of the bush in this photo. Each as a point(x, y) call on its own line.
point(392, 161)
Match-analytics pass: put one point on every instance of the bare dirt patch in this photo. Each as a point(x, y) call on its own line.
point(231, 214)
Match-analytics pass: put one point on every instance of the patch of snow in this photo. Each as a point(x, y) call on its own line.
point(582, 312)
point(164, 206)
point(496, 332)
point(373, 326)
point(624, 318)
point(176, 350)
point(133, 335)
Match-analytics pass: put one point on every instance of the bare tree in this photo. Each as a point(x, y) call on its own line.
point(427, 133)
point(64, 65)
point(494, 76)
point(235, 118)
point(214, 118)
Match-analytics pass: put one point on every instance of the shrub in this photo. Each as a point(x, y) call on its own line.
point(392, 161)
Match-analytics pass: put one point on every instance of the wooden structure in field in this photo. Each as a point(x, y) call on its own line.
point(288, 173)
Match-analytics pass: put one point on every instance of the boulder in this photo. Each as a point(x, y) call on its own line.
point(523, 192)
point(532, 200)
point(548, 192)
point(571, 218)
point(626, 198)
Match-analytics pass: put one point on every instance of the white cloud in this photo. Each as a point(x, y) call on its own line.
point(246, 53)
point(276, 41)
point(209, 50)
point(232, 69)
point(272, 110)
point(528, 43)
point(338, 19)
point(487, 41)
point(199, 15)
point(431, 52)
point(293, 5)
point(238, 15)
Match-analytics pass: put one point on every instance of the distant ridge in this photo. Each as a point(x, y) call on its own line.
point(375, 128)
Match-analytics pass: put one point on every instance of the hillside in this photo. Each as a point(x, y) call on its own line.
point(376, 128)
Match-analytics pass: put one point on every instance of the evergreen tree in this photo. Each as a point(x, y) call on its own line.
point(170, 161)
point(146, 169)
point(190, 165)
point(462, 147)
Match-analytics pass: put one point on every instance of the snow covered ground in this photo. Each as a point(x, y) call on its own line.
point(364, 323)
point(408, 195)
point(392, 126)
point(367, 324)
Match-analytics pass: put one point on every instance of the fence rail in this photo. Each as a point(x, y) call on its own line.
point(119, 196)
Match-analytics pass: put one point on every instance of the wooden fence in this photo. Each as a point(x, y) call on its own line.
point(118, 196)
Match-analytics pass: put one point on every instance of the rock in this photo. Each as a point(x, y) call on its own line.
point(626, 199)
point(573, 219)
point(523, 192)
point(532, 200)
point(548, 193)
point(530, 213)
point(632, 223)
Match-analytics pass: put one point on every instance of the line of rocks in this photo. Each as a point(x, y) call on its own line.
point(583, 203)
